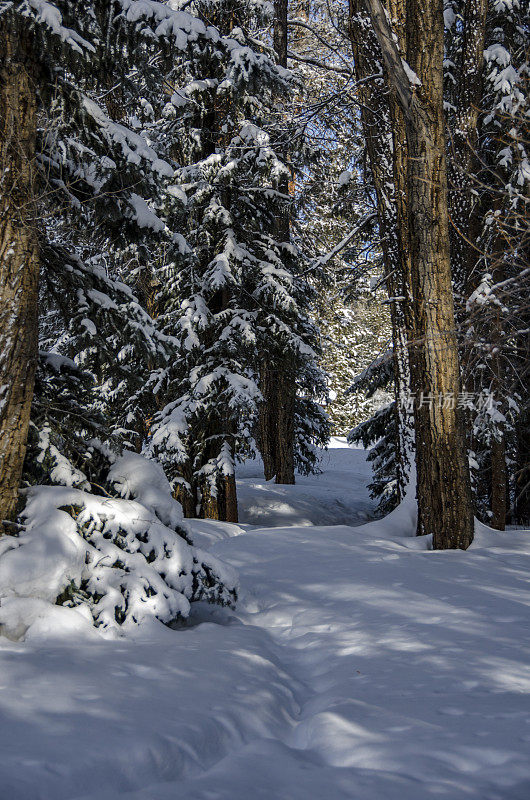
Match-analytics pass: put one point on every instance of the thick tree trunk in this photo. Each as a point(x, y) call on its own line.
point(285, 427)
point(499, 483)
point(19, 259)
point(277, 381)
point(375, 118)
point(444, 495)
point(230, 499)
point(280, 30)
point(222, 505)
point(268, 418)
point(209, 504)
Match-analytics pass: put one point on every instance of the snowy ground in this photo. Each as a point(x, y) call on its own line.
point(358, 665)
point(337, 497)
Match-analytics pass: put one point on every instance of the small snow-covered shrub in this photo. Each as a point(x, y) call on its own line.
point(124, 559)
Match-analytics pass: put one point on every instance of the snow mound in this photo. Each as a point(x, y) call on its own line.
point(112, 562)
point(32, 619)
point(133, 475)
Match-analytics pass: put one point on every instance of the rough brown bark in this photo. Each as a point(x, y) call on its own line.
point(444, 494)
point(280, 30)
point(230, 494)
point(375, 113)
point(209, 504)
point(398, 13)
point(19, 258)
point(222, 505)
point(499, 483)
point(285, 427)
point(268, 417)
point(277, 381)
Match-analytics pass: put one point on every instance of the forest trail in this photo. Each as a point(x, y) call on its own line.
point(359, 665)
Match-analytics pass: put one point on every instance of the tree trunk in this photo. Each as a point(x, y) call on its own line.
point(285, 427)
point(444, 494)
point(267, 422)
point(230, 497)
point(277, 381)
point(223, 505)
point(209, 504)
point(280, 30)
point(375, 119)
point(499, 483)
point(499, 467)
point(521, 511)
point(19, 258)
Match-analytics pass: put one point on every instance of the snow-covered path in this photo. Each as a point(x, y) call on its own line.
point(358, 665)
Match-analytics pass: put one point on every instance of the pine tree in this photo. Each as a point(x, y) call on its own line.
point(237, 294)
point(353, 332)
point(105, 201)
point(486, 100)
point(101, 178)
point(102, 171)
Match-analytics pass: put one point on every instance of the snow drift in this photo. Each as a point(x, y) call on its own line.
point(112, 562)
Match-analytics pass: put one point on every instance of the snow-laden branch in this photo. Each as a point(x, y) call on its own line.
point(320, 261)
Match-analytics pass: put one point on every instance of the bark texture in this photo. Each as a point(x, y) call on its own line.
point(277, 380)
point(19, 258)
point(499, 483)
point(223, 504)
point(280, 30)
point(285, 426)
point(444, 495)
point(375, 110)
point(268, 418)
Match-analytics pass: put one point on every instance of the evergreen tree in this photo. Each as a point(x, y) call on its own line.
point(237, 294)
point(487, 99)
point(105, 204)
point(352, 333)
point(102, 176)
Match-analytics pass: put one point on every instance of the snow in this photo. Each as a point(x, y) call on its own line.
point(135, 476)
point(411, 75)
point(338, 496)
point(47, 557)
point(48, 14)
point(144, 216)
point(56, 361)
point(123, 563)
point(134, 146)
point(177, 25)
point(359, 665)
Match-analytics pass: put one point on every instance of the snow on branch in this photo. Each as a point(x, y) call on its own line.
point(48, 14)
